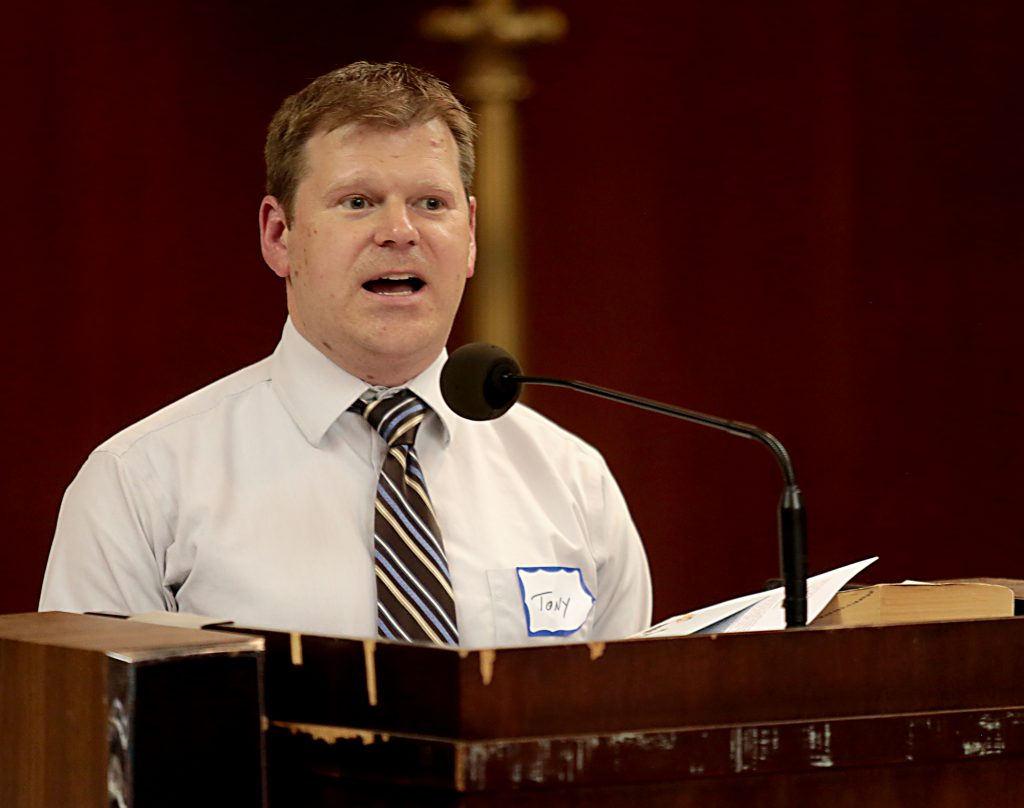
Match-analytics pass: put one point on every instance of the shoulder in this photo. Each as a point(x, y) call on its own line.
point(195, 409)
point(532, 422)
point(524, 432)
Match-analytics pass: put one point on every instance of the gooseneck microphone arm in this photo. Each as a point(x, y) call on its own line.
point(734, 427)
point(792, 516)
point(481, 382)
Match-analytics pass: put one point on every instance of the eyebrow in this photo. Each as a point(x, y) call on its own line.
point(365, 181)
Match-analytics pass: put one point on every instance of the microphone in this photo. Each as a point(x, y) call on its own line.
point(482, 382)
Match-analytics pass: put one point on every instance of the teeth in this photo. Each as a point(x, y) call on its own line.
point(395, 284)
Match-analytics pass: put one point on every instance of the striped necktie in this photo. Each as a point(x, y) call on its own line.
point(414, 589)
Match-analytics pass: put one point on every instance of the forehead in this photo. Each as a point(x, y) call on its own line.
point(429, 145)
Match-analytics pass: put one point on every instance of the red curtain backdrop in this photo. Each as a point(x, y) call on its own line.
point(801, 215)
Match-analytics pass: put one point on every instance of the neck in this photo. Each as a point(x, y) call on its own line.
point(384, 370)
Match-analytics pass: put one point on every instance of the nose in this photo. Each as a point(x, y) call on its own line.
point(394, 227)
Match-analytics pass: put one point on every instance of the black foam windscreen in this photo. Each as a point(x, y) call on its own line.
point(477, 381)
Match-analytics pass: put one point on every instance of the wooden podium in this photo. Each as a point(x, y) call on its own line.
point(928, 714)
point(97, 712)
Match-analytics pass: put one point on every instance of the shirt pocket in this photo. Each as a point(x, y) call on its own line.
point(511, 625)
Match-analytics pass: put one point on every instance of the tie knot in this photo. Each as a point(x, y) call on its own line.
point(396, 418)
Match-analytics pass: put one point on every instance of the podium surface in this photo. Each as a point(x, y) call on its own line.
point(925, 714)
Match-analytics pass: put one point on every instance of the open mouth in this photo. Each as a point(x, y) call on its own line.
point(392, 285)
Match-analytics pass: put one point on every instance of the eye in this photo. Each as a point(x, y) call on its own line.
point(355, 203)
point(432, 203)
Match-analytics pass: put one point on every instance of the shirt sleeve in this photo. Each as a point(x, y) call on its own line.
point(103, 557)
point(624, 600)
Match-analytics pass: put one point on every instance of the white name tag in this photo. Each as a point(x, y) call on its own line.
point(556, 600)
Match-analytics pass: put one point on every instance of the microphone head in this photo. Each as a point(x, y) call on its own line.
point(476, 383)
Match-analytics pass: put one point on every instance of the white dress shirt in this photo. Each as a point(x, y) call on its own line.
point(252, 500)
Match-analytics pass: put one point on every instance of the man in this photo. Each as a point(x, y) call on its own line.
point(271, 498)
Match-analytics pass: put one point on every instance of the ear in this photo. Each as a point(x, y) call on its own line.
point(471, 264)
point(274, 236)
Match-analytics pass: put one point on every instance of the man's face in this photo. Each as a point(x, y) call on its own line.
point(378, 249)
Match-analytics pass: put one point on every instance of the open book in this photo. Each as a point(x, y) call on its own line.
point(761, 611)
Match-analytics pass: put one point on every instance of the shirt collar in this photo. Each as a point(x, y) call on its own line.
point(316, 392)
point(428, 387)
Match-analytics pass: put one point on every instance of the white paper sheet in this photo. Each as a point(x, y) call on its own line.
point(760, 611)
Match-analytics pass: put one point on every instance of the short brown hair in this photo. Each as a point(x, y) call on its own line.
point(391, 95)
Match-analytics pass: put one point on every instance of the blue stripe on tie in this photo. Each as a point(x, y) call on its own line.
point(420, 527)
point(413, 580)
point(416, 472)
point(416, 599)
point(390, 627)
point(420, 534)
point(421, 606)
point(395, 417)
